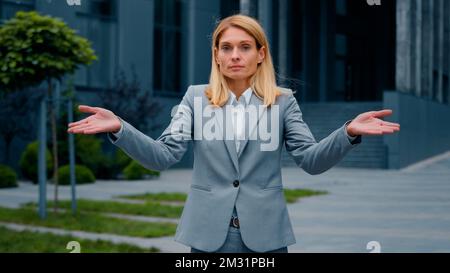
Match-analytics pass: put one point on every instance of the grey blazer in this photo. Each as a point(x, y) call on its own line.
point(222, 179)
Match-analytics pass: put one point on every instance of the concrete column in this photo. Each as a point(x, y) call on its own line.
point(136, 50)
point(403, 55)
point(447, 23)
point(282, 37)
point(200, 28)
point(431, 49)
point(265, 17)
point(245, 6)
point(249, 7)
point(418, 48)
point(440, 46)
point(427, 48)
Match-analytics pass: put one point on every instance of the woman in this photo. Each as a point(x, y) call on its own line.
point(236, 201)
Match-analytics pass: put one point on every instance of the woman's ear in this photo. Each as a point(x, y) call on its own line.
point(261, 54)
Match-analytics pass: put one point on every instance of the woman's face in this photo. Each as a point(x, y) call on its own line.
point(237, 55)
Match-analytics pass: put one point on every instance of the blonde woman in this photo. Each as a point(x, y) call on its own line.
point(238, 124)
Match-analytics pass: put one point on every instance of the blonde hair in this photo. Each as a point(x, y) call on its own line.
point(262, 82)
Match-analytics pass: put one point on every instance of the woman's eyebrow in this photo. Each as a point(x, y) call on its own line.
point(240, 42)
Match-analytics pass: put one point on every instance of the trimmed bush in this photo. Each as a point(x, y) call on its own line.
point(89, 151)
point(122, 160)
point(29, 162)
point(111, 166)
point(135, 171)
point(83, 175)
point(8, 177)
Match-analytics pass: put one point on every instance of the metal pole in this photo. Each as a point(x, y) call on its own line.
point(42, 159)
point(72, 158)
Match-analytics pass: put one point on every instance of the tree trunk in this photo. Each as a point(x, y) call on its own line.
point(54, 143)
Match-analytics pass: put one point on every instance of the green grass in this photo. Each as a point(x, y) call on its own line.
point(36, 242)
point(147, 209)
point(154, 197)
point(292, 195)
point(91, 222)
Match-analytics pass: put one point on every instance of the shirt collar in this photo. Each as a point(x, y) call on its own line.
point(247, 94)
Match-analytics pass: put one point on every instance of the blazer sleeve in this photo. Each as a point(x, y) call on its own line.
point(312, 156)
point(168, 148)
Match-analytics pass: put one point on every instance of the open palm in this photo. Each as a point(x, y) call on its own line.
point(370, 123)
point(102, 121)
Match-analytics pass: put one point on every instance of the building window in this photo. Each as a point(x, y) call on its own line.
point(97, 22)
point(168, 53)
point(340, 67)
point(341, 7)
point(103, 8)
point(8, 8)
point(229, 7)
point(296, 40)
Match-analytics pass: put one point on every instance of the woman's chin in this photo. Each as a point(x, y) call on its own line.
point(237, 76)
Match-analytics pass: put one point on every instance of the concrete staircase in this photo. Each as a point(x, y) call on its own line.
point(324, 118)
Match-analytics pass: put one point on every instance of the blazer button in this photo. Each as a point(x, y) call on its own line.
point(236, 183)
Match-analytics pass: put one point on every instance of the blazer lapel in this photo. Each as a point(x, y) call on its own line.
point(229, 143)
point(254, 100)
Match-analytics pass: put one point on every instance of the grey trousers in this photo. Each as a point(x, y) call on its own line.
point(234, 244)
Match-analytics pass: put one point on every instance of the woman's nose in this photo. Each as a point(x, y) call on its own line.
point(235, 54)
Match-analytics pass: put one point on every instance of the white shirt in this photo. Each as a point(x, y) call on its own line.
point(238, 111)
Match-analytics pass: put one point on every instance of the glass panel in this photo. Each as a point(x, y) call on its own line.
point(167, 51)
point(341, 45)
point(98, 25)
point(229, 7)
point(339, 76)
point(159, 11)
point(102, 7)
point(296, 46)
point(341, 7)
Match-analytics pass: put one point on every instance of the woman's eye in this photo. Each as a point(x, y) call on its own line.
point(246, 47)
point(225, 48)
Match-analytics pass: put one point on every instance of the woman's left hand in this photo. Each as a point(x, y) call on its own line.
point(369, 123)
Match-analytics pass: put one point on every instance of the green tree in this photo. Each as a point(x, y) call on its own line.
point(36, 49)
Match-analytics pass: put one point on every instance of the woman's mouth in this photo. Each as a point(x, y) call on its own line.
point(236, 67)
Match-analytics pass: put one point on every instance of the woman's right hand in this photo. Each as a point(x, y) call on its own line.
point(102, 121)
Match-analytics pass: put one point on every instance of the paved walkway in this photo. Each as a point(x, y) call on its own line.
point(405, 211)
